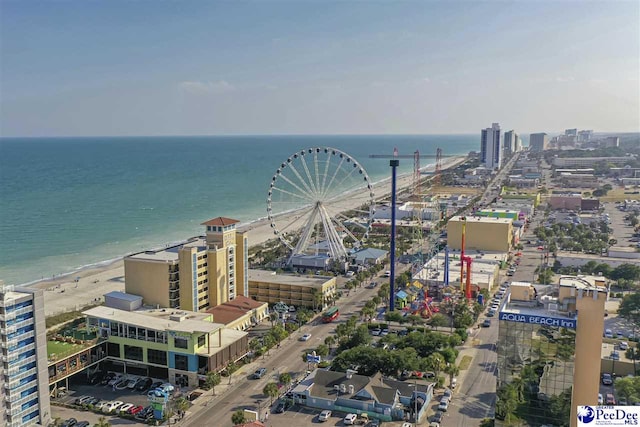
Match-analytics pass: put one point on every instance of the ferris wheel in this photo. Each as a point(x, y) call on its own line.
point(320, 201)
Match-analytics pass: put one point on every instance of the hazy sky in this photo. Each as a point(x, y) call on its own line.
point(316, 67)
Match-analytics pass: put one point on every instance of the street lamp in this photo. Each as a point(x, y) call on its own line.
point(415, 401)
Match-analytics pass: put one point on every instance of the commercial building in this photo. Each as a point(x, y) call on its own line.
point(241, 313)
point(382, 398)
point(179, 345)
point(195, 275)
point(369, 256)
point(491, 147)
point(589, 162)
point(548, 347)
point(24, 389)
point(513, 215)
point(297, 290)
point(576, 259)
point(538, 141)
point(585, 135)
point(573, 201)
point(482, 233)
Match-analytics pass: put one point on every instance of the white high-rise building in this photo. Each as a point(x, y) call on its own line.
point(491, 147)
point(24, 385)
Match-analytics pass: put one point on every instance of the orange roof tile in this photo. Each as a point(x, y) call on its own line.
point(221, 221)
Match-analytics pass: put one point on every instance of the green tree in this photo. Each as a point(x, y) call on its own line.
point(368, 313)
point(285, 378)
point(436, 363)
point(303, 316)
point(330, 341)
point(393, 316)
point(270, 390)
point(269, 341)
point(279, 333)
point(453, 371)
point(626, 271)
point(212, 379)
point(438, 320)
point(238, 418)
point(322, 350)
point(181, 404)
point(630, 308)
point(274, 316)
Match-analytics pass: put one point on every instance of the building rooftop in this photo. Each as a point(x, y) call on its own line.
point(123, 296)
point(288, 279)
point(234, 310)
point(221, 221)
point(170, 254)
point(158, 319)
point(482, 219)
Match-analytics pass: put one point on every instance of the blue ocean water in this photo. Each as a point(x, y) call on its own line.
point(66, 203)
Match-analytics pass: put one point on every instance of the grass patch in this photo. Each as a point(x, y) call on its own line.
point(57, 350)
point(465, 362)
point(66, 317)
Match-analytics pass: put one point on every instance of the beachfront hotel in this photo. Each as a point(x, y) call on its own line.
point(549, 351)
point(482, 233)
point(179, 345)
point(292, 289)
point(201, 273)
point(24, 391)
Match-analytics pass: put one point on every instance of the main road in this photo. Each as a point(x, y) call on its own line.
point(247, 393)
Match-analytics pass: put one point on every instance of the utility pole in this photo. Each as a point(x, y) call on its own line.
point(394, 166)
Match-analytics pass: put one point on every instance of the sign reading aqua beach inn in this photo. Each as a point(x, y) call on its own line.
point(539, 320)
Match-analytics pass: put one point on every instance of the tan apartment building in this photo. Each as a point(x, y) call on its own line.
point(296, 290)
point(550, 340)
point(201, 273)
point(482, 233)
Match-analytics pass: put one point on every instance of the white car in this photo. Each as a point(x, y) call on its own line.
point(600, 399)
point(349, 419)
point(623, 345)
point(112, 406)
point(124, 408)
point(444, 405)
point(608, 333)
point(114, 380)
point(305, 337)
point(132, 383)
point(167, 387)
point(324, 416)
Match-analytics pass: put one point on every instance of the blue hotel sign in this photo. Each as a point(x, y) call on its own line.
point(539, 320)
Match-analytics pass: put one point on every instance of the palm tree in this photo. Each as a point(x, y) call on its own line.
point(452, 370)
point(285, 378)
point(212, 380)
point(271, 390)
point(238, 418)
point(181, 405)
point(330, 341)
point(102, 422)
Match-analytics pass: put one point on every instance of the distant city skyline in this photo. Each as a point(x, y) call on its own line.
point(221, 68)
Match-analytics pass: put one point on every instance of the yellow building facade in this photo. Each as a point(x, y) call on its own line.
point(482, 233)
point(196, 275)
point(296, 290)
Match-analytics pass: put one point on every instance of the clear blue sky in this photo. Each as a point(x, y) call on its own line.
point(316, 67)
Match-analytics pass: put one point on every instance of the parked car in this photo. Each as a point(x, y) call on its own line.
point(125, 408)
point(112, 406)
point(349, 419)
point(305, 337)
point(607, 379)
point(384, 332)
point(324, 416)
point(144, 384)
point(155, 385)
point(610, 399)
point(444, 405)
point(135, 410)
point(131, 384)
point(447, 394)
point(608, 333)
point(282, 406)
point(615, 355)
point(70, 422)
point(81, 399)
point(82, 424)
point(259, 373)
point(167, 387)
point(486, 323)
point(623, 345)
point(437, 417)
point(600, 399)
point(114, 380)
point(107, 377)
point(376, 332)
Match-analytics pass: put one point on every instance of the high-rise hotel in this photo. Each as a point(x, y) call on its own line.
point(549, 347)
point(491, 147)
point(24, 388)
point(196, 275)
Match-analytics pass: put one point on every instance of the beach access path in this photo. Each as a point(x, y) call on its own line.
point(73, 291)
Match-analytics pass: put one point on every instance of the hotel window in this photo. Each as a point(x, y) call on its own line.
point(182, 362)
point(114, 329)
point(161, 337)
point(151, 335)
point(131, 332)
point(157, 356)
point(201, 340)
point(132, 352)
point(113, 349)
point(180, 342)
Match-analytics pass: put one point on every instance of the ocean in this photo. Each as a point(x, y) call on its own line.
point(70, 203)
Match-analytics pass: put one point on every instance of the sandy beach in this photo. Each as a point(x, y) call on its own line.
point(76, 290)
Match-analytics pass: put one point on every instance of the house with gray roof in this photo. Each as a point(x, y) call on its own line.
point(369, 256)
point(377, 396)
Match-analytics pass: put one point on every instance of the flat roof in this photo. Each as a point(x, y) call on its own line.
point(158, 319)
point(170, 254)
point(123, 296)
point(482, 219)
point(287, 279)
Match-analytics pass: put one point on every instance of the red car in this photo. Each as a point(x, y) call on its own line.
point(135, 410)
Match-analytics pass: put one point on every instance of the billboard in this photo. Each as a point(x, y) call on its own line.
point(593, 416)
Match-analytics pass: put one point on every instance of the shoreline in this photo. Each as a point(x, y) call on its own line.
point(110, 273)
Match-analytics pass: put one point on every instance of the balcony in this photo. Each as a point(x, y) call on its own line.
point(14, 381)
point(23, 323)
point(9, 330)
point(9, 343)
point(10, 358)
point(23, 362)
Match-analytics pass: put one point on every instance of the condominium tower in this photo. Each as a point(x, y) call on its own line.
point(538, 141)
point(24, 392)
point(549, 351)
point(201, 273)
point(491, 147)
point(512, 143)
